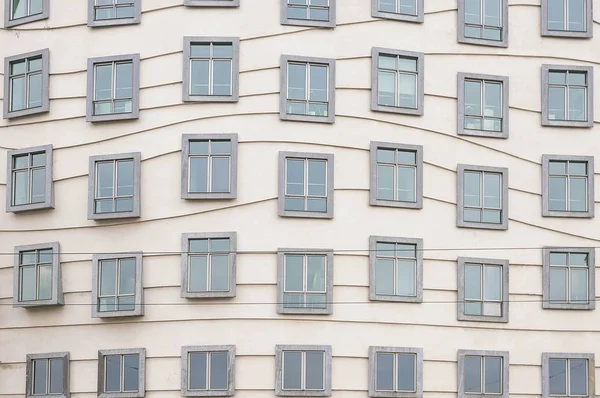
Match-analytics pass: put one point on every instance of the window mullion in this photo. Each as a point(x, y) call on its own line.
point(482, 364)
point(305, 183)
point(37, 276)
point(114, 194)
point(482, 104)
point(47, 375)
point(303, 372)
point(567, 98)
point(568, 376)
point(395, 372)
point(122, 365)
point(481, 18)
point(117, 284)
point(211, 60)
point(481, 191)
point(395, 269)
point(114, 85)
point(307, 87)
point(305, 278)
point(208, 360)
point(208, 269)
point(481, 286)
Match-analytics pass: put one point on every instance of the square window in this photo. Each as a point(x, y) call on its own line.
point(38, 277)
point(483, 105)
point(117, 285)
point(48, 375)
point(19, 12)
point(208, 371)
point(567, 96)
point(307, 89)
point(209, 166)
point(29, 179)
point(114, 186)
point(113, 88)
point(483, 373)
point(26, 84)
point(568, 186)
point(211, 3)
point(482, 289)
point(397, 81)
point(395, 372)
point(395, 269)
point(483, 22)
point(482, 200)
point(121, 373)
point(400, 10)
point(303, 371)
point(208, 265)
point(569, 278)
point(567, 18)
point(315, 13)
point(568, 375)
point(305, 185)
point(211, 69)
point(396, 175)
point(305, 281)
point(114, 12)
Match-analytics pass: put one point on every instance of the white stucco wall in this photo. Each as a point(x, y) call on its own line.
point(256, 328)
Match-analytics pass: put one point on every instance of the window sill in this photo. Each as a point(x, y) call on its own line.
point(26, 112)
point(375, 13)
point(113, 117)
point(468, 224)
point(482, 318)
point(305, 214)
point(397, 203)
point(396, 109)
point(568, 34)
point(484, 42)
point(30, 207)
point(307, 22)
point(483, 133)
point(207, 295)
point(40, 303)
point(307, 118)
point(9, 23)
point(118, 314)
point(114, 22)
point(568, 214)
point(394, 298)
point(208, 196)
point(210, 98)
point(305, 311)
point(114, 216)
point(567, 123)
point(568, 306)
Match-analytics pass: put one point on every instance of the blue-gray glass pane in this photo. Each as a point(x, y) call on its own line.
point(473, 308)
point(315, 273)
point(472, 189)
point(576, 14)
point(472, 375)
point(492, 15)
point(293, 281)
point(472, 215)
point(21, 190)
point(294, 177)
point(18, 67)
point(558, 284)
point(491, 191)
point(123, 106)
point(104, 13)
point(103, 82)
point(387, 61)
point(406, 372)
point(222, 51)
point(124, 205)
point(222, 77)
point(198, 274)
point(385, 249)
point(405, 278)
point(407, 157)
point(317, 174)
point(124, 177)
point(577, 78)
point(199, 147)
point(384, 378)
point(220, 147)
point(557, 193)
point(473, 31)
point(319, 205)
point(197, 371)
point(107, 304)
point(317, 109)
point(220, 174)
point(199, 78)
point(35, 64)
point(578, 377)
point(297, 13)
point(104, 179)
point(556, 103)
point(38, 189)
point(385, 182)
point(219, 245)
point(292, 370)
point(387, 5)
point(295, 204)
point(408, 7)
point(45, 256)
point(578, 194)
point(579, 285)
point(219, 278)
point(578, 259)
point(125, 12)
point(17, 92)
point(472, 97)
point(294, 300)
point(559, 258)
point(493, 99)
point(491, 33)
point(19, 9)
point(556, 15)
point(318, 83)
point(108, 277)
point(318, 14)
point(45, 283)
point(472, 282)
point(316, 300)
point(20, 162)
point(200, 50)
point(384, 276)
point(315, 371)
point(218, 371)
point(28, 257)
point(492, 282)
point(408, 91)
point(557, 375)
point(199, 245)
point(473, 12)
point(406, 184)
point(386, 88)
point(39, 159)
point(493, 375)
point(112, 373)
point(297, 81)
point(103, 108)
point(28, 283)
point(126, 303)
point(406, 250)
point(127, 276)
point(35, 90)
point(491, 216)
point(556, 77)
point(131, 364)
point(555, 167)
point(39, 376)
point(56, 376)
point(36, 7)
point(407, 64)
point(124, 85)
point(578, 168)
point(198, 174)
point(577, 103)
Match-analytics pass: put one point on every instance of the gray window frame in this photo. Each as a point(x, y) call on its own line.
point(589, 70)
point(482, 353)
point(418, 150)
point(185, 169)
point(135, 89)
point(284, 20)
point(280, 392)
point(483, 42)
point(546, 212)
point(418, 352)
point(93, 23)
point(45, 108)
point(461, 316)
point(460, 199)
point(186, 350)
point(185, 244)
point(420, 100)
point(57, 285)
point(9, 23)
point(461, 130)
point(328, 253)
point(235, 69)
point(282, 212)
point(283, 88)
point(373, 295)
point(589, 24)
point(48, 203)
point(141, 373)
point(419, 18)
point(139, 288)
point(546, 303)
point(211, 3)
point(546, 356)
point(135, 213)
point(29, 371)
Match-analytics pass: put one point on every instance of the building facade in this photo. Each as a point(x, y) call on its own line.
point(348, 198)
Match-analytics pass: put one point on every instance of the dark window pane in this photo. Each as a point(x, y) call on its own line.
point(493, 375)
point(198, 274)
point(384, 276)
point(131, 368)
point(38, 189)
point(112, 373)
point(557, 373)
point(222, 78)
point(292, 370)
point(56, 376)
point(197, 371)
point(472, 374)
point(293, 279)
point(219, 279)
point(39, 379)
point(124, 177)
point(220, 175)
point(198, 175)
point(218, 371)
point(314, 370)
point(578, 377)
point(406, 372)
point(45, 283)
point(384, 379)
point(108, 277)
point(127, 276)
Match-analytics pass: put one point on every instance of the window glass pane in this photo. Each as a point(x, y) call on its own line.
point(45, 256)
point(130, 372)
point(319, 14)
point(384, 271)
point(316, 205)
point(558, 284)
point(317, 109)
point(559, 259)
point(199, 78)
point(296, 204)
point(407, 157)
point(473, 31)
point(387, 62)
point(387, 5)
point(108, 277)
point(578, 168)
point(576, 103)
point(124, 80)
point(222, 51)
point(107, 304)
point(297, 81)
point(198, 274)
point(38, 190)
point(579, 284)
point(578, 194)
point(472, 374)
point(492, 33)
point(17, 93)
point(293, 273)
point(40, 372)
point(198, 174)
point(492, 15)
point(491, 193)
point(35, 90)
point(218, 371)
point(384, 380)
point(125, 12)
point(406, 372)
point(20, 162)
point(297, 13)
point(200, 50)
point(578, 259)
point(408, 91)
point(103, 82)
point(407, 64)
point(219, 278)
point(472, 97)
point(318, 83)
point(45, 283)
point(315, 273)
point(472, 215)
point(28, 257)
point(36, 7)
point(556, 15)
point(127, 276)
point(472, 282)
point(124, 177)
point(406, 184)
point(578, 377)
point(385, 155)
point(104, 179)
point(385, 182)
point(557, 193)
point(197, 371)
point(493, 99)
point(473, 12)
point(294, 177)
point(292, 370)
point(473, 308)
point(222, 78)
point(104, 13)
point(557, 371)
point(406, 250)
point(577, 78)
point(28, 283)
point(112, 373)
point(493, 375)
point(556, 103)
point(19, 9)
point(220, 174)
point(199, 245)
point(220, 147)
point(124, 204)
point(556, 77)
point(18, 67)
point(126, 303)
point(21, 189)
point(492, 278)
point(472, 189)
point(317, 174)
point(576, 13)
point(314, 370)
point(201, 147)
point(386, 88)
point(56, 376)
point(491, 216)
point(39, 159)
point(408, 7)
point(557, 167)
point(406, 278)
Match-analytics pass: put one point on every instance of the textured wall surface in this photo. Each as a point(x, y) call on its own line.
point(249, 321)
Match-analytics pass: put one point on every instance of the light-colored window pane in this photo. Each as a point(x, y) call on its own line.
point(384, 276)
point(294, 204)
point(124, 80)
point(199, 78)
point(387, 5)
point(124, 205)
point(28, 257)
point(317, 171)
point(125, 12)
point(45, 283)
point(28, 283)
point(406, 372)
point(558, 284)
point(555, 77)
point(124, 177)
point(18, 67)
point(319, 14)
point(384, 379)
point(297, 81)
point(387, 61)
point(222, 51)
point(577, 103)
point(127, 276)
point(472, 282)
point(385, 249)
point(198, 174)
point(577, 78)
point(35, 90)
point(493, 375)
point(316, 205)
point(108, 277)
point(104, 13)
point(493, 15)
point(197, 371)
point(578, 168)
point(36, 7)
point(220, 175)
point(472, 376)
point(385, 155)
point(200, 50)
point(315, 273)
point(21, 190)
point(318, 83)
point(407, 157)
point(219, 273)
point(222, 77)
point(17, 92)
point(39, 380)
point(112, 373)
point(408, 91)
point(386, 88)
point(556, 103)
point(472, 215)
point(294, 177)
point(473, 31)
point(578, 259)
point(491, 193)
point(406, 250)
point(199, 245)
point(493, 99)
point(579, 284)
point(56, 376)
point(557, 167)
point(297, 13)
point(314, 370)
point(103, 82)
point(556, 15)
point(45, 256)
point(557, 370)
point(38, 189)
point(492, 309)
point(219, 245)
point(198, 280)
point(130, 372)
point(578, 194)
point(407, 64)
point(293, 273)
point(576, 13)
point(220, 147)
point(473, 308)
point(492, 283)
point(218, 371)
point(559, 258)
point(472, 98)
point(107, 304)
point(406, 278)
point(472, 189)
point(126, 303)
point(104, 179)
point(557, 193)
point(578, 376)
point(491, 216)
point(473, 12)
point(406, 184)
point(408, 7)
point(385, 182)
point(292, 370)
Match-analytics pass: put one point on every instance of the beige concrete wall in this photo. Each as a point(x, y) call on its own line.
point(256, 328)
